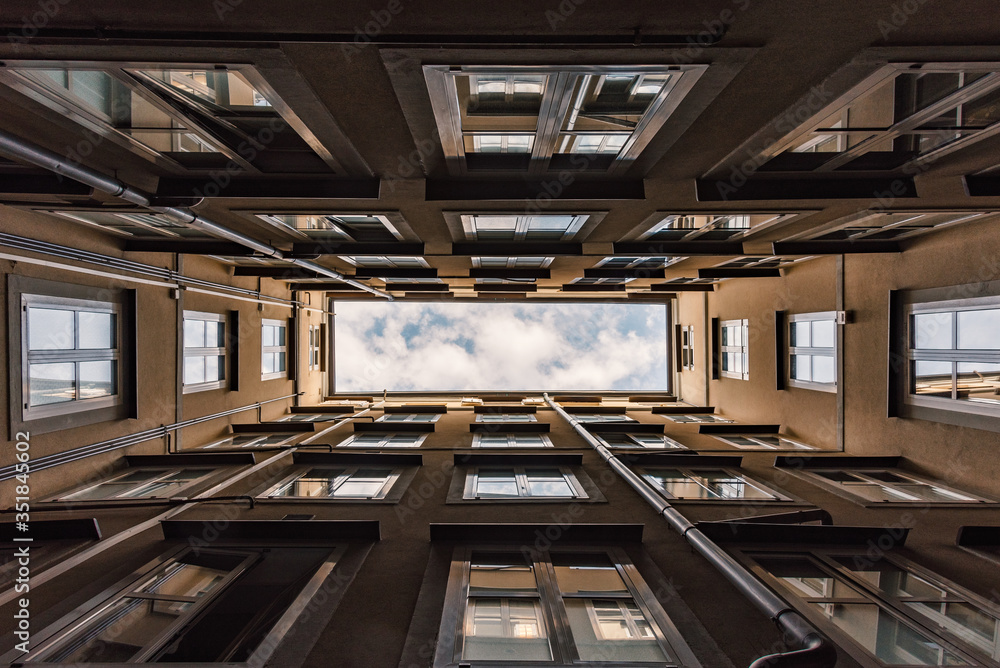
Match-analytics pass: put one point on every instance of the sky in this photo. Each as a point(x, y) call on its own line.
point(440, 346)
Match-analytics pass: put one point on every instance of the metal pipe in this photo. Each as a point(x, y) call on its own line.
point(816, 650)
point(17, 147)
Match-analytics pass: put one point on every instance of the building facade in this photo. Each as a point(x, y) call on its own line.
point(189, 190)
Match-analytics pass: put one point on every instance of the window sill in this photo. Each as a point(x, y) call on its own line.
point(830, 388)
point(204, 387)
point(274, 376)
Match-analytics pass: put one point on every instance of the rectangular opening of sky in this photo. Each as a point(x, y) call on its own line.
point(421, 346)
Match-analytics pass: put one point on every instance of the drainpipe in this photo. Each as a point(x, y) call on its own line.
point(816, 650)
point(16, 147)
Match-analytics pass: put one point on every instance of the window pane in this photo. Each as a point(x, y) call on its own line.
point(496, 482)
point(504, 629)
point(932, 331)
point(729, 486)
point(961, 619)
point(802, 367)
point(586, 574)
point(51, 383)
point(801, 334)
point(213, 368)
point(280, 336)
point(824, 333)
point(548, 484)
point(267, 336)
point(364, 484)
point(280, 362)
point(181, 579)
point(678, 485)
point(611, 630)
point(194, 334)
point(50, 329)
point(97, 379)
point(824, 370)
point(267, 363)
point(194, 370)
point(503, 571)
point(979, 382)
point(932, 378)
point(96, 330)
point(979, 329)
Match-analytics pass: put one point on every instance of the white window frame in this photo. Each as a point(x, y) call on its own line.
point(385, 441)
point(521, 226)
point(521, 475)
point(217, 351)
point(253, 441)
point(314, 352)
point(165, 472)
point(844, 489)
point(500, 418)
point(812, 351)
point(392, 477)
point(275, 350)
point(590, 418)
point(429, 418)
point(687, 347)
point(760, 444)
point(696, 418)
point(693, 474)
point(666, 443)
point(742, 350)
point(512, 440)
point(75, 355)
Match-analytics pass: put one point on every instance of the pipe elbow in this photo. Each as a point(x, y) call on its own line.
point(818, 652)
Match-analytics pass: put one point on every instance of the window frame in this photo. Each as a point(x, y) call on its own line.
point(522, 471)
point(166, 471)
point(813, 351)
point(690, 472)
point(742, 350)
point(24, 290)
point(797, 445)
point(507, 418)
point(274, 350)
point(867, 592)
point(544, 440)
point(390, 492)
point(429, 418)
point(555, 103)
point(843, 490)
point(222, 351)
point(452, 630)
point(288, 437)
point(386, 439)
point(698, 418)
point(669, 444)
point(687, 347)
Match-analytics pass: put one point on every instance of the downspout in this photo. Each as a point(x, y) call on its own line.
point(816, 651)
point(16, 147)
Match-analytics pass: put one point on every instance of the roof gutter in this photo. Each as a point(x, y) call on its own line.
point(816, 651)
point(21, 149)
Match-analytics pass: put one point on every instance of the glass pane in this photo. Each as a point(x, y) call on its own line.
point(678, 485)
point(824, 333)
point(194, 370)
point(214, 368)
point(892, 641)
point(318, 482)
point(364, 484)
point(932, 331)
point(979, 329)
point(502, 629)
point(97, 330)
point(221, 88)
point(194, 334)
point(97, 379)
point(500, 571)
point(824, 369)
point(979, 382)
point(279, 336)
point(118, 632)
point(801, 334)
point(548, 484)
point(806, 579)
point(587, 574)
point(182, 579)
point(51, 383)
point(279, 363)
point(728, 486)
point(968, 622)
point(50, 329)
point(802, 367)
point(496, 482)
point(267, 363)
point(267, 334)
point(932, 378)
point(612, 630)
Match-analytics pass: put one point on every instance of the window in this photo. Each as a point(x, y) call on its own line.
point(361, 228)
point(882, 225)
point(272, 349)
point(812, 351)
point(377, 440)
point(699, 418)
point(511, 227)
point(554, 608)
point(887, 609)
point(139, 223)
point(345, 482)
point(528, 482)
point(503, 262)
point(687, 347)
point(179, 116)
point(624, 440)
point(71, 364)
point(410, 417)
point(735, 348)
point(888, 486)
point(710, 227)
point(545, 118)
point(315, 346)
point(316, 417)
point(483, 440)
point(254, 441)
point(707, 484)
point(905, 113)
point(204, 351)
point(602, 417)
point(190, 607)
point(755, 442)
point(141, 483)
point(505, 417)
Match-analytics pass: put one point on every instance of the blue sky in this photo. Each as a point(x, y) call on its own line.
point(441, 346)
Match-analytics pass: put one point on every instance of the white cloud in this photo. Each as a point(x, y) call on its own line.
point(441, 346)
